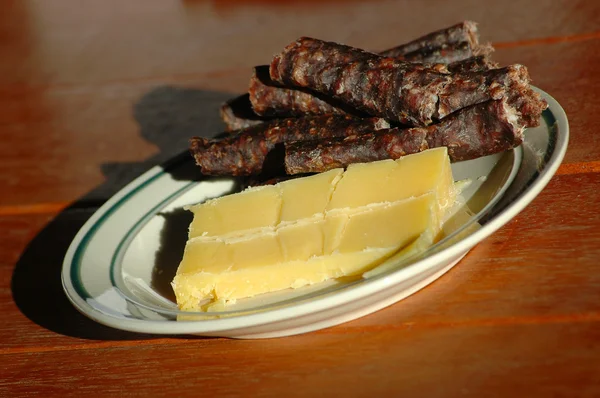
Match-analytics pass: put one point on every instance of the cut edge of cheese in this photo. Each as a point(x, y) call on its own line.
point(373, 179)
point(458, 220)
point(195, 291)
point(307, 196)
point(403, 256)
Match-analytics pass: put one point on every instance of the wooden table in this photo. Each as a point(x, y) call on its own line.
point(93, 93)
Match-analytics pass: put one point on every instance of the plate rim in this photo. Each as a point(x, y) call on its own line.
point(311, 306)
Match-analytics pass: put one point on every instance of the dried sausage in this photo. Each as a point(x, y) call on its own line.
point(245, 152)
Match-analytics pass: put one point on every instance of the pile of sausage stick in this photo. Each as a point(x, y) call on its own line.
point(320, 105)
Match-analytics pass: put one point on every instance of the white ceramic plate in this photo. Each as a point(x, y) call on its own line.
point(118, 268)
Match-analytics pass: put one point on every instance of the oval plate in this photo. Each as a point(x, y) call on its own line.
point(118, 268)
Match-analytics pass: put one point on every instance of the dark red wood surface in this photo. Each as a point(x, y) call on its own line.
point(93, 93)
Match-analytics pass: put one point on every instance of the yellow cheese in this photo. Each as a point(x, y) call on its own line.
point(195, 291)
point(364, 183)
point(252, 208)
point(402, 257)
point(387, 225)
point(264, 206)
point(333, 230)
point(301, 240)
point(390, 180)
point(297, 241)
point(293, 255)
point(349, 231)
point(325, 226)
point(360, 185)
point(305, 197)
point(458, 226)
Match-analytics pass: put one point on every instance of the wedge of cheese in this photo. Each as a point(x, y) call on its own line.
point(315, 228)
point(296, 254)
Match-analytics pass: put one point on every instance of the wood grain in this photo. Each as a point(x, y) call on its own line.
point(113, 40)
point(149, 121)
point(501, 281)
point(541, 360)
point(94, 93)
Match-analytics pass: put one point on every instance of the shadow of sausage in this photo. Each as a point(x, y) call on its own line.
point(167, 116)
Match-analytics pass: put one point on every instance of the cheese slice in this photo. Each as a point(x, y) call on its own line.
point(361, 184)
point(295, 255)
point(252, 208)
point(196, 291)
point(312, 229)
point(301, 240)
point(346, 231)
point(266, 206)
point(405, 255)
point(389, 180)
point(305, 197)
point(389, 225)
point(458, 225)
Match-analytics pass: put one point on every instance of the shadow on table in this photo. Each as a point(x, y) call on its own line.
point(168, 117)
